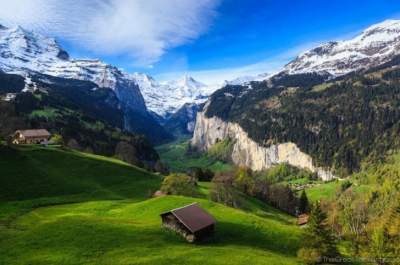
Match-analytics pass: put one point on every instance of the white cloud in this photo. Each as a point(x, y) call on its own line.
point(142, 29)
point(269, 66)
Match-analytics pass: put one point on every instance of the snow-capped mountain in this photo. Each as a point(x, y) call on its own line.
point(34, 56)
point(244, 80)
point(166, 98)
point(375, 45)
point(24, 52)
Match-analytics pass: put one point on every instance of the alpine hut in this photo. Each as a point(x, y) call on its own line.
point(191, 222)
point(31, 136)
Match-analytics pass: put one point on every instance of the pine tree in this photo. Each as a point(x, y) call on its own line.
point(304, 206)
point(318, 241)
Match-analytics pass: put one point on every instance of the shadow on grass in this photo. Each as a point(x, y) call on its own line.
point(282, 241)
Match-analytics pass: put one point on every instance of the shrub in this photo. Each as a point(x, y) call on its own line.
point(57, 139)
point(179, 184)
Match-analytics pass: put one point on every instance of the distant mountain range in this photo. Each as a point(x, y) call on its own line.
point(28, 53)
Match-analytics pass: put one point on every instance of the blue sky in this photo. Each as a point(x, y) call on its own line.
point(212, 40)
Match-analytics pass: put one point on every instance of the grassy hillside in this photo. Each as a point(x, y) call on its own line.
point(32, 176)
point(110, 232)
point(65, 207)
point(175, 156)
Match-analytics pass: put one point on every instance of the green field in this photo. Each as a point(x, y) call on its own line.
point(175, 156)
point(65, 207)
point(328, 190)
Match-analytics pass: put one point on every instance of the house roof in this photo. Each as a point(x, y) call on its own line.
point(193, 217)
point(34, 133)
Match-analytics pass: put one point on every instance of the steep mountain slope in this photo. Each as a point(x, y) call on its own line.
point(88, 119)
point(306, 117)
point(338, 123)
point(375, 45)
point(29, 54)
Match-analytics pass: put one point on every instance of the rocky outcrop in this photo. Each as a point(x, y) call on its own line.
point(246, 151)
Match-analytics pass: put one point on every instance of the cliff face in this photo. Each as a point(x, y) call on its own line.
point(247, 152)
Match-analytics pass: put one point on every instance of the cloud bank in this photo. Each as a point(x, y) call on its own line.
point(142, 29)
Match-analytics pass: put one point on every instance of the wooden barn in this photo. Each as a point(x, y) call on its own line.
point(302, 219)
point(31, 136)
point(190, 221)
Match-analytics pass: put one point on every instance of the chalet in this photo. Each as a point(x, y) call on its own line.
point(191, 222)
point(31, 136)
point(302, 219)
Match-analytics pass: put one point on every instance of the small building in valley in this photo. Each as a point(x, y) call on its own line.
point(35, 136)
point(302, 219)
point(190, 221)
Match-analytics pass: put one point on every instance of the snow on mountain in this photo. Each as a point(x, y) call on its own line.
point(375, 45)
point(165, 98)
point(24, 52)
point(244, 80)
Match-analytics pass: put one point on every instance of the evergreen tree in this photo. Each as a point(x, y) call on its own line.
point(304, 206)
point(318, 242)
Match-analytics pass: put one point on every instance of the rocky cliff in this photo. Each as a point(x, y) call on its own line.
point(247, 152)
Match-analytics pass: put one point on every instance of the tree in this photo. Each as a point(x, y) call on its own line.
point(304, 206)
point(201, 174)
point(244, 180)
point(223, 191)
point(179, 184)
point(318, 242)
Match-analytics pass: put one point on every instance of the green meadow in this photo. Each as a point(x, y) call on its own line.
point(65, 207)
point(175, 155)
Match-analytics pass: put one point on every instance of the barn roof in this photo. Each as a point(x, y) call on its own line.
point(193, 217)
point(35, 133)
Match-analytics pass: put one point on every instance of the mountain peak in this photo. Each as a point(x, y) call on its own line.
point(375, 45)
point(386, 24)
point(188, 82)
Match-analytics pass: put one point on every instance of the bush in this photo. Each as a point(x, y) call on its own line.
point(179, 184)
point(309, 255)
point(57, 139)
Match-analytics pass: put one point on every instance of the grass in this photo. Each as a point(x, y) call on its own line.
point(125, 232)
point(33, 176)
point(66, 207)
point(328, 190)
point(175, 156)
